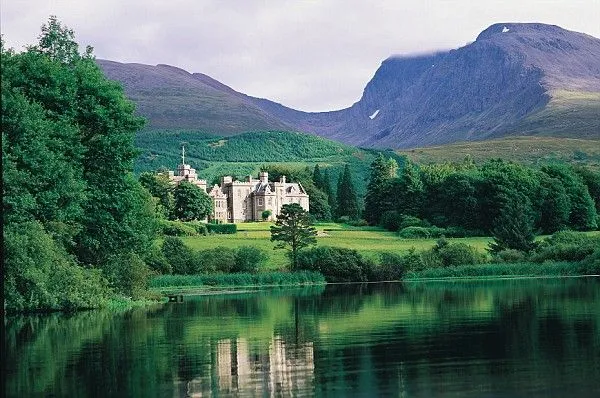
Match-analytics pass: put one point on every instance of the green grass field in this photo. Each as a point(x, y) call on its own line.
point(369, 241)
point(526, 150)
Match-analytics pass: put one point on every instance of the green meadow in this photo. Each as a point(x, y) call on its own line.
point(369, 241)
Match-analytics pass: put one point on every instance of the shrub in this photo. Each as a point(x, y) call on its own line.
point(222, 228)
point(216, 260)
point(421, 232)
point(461, 232)
point(454, 254)
point(177, 228)
point(566, 246)
point(591, 264)
point(200, 227)
point(180, 257)
point(128, 274)
point(391, 220)
point(510, 256)
point(412, 221)
point(335, 263)
point(266, 214)
point(392, 267)
point(358, 223)
point(157, 262)
point(248, 259)
point(40, 275)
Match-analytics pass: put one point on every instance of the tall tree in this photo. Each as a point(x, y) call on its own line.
point(513, 228)
point(378, 197)
point(292, 229)
point(160, 188)
point(347, 203)
point(408, 190)
point(67, 145)
point(331, 199)
point(191, 202)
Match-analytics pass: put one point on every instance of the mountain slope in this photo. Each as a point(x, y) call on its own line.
point(514, 79)
point(171, 98)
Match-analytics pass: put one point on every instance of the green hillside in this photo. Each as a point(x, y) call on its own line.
point(528, 150)
point(241, 155)
point(568, 114)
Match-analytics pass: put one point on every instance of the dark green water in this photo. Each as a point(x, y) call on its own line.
point(522, 338)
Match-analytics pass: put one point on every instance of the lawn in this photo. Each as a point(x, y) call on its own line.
point(369, 241)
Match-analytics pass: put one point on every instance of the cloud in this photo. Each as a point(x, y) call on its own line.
point(310, 55)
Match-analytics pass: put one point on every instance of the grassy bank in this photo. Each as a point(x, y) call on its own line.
point(168, 282)
point(549, 269)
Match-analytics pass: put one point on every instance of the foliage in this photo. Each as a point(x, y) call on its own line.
point(379, 196)
point(266, 214)
point(157, 262)
point(514, 226)
point(335, 263)
point(347, 203)
point(128, 274)
point(248, 259)
point(177, 228)
point(408, 190)
point(40, 275)
point(67, 146)
point(216, 260)
point(159, 186)
point(454, 254)
point(240, 279)
point(565, 246)
point(191, 202)
point(390, 220)
point(180, 257)
point(226, 229)
point(502, 269)
point(392, 267)
point(293, 229)
point(421, 232)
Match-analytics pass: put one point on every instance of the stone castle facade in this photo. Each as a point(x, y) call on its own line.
point(239, 201)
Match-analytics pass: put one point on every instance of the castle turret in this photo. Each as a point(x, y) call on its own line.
point(264, 177)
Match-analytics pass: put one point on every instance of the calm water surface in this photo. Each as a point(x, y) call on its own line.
point(521, 338)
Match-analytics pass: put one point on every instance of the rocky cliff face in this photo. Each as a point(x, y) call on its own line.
point(495, 86)
point(514, 79)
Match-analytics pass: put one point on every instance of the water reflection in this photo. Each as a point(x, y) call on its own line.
point(501, 338)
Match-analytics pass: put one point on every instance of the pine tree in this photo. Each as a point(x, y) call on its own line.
point(347, 203)
point(377, 199)
point(409, 190)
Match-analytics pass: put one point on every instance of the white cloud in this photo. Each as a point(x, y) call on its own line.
point(311, 55)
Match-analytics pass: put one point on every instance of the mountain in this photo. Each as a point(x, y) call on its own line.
point(171, 98)
point(514, 79)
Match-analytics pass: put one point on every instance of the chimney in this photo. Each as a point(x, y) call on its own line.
point(282, 179)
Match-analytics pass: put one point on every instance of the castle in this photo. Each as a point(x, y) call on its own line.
point(239, 201)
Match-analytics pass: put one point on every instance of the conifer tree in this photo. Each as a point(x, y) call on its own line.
point(347, 203)
point(377, 199)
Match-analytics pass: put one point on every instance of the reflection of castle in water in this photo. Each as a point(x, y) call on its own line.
point(243, 370)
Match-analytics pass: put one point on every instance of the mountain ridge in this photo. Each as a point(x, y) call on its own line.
point(514, 79)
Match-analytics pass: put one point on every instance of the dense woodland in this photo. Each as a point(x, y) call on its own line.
point(483, 199)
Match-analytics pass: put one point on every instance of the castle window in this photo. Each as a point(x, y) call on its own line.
point(270, 201)
point(260, 201)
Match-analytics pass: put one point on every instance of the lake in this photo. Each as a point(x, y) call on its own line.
point(501, 338)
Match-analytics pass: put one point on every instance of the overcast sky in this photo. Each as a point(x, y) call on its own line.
point(310, 55)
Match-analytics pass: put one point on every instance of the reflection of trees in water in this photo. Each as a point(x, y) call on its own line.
point(396, 337)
